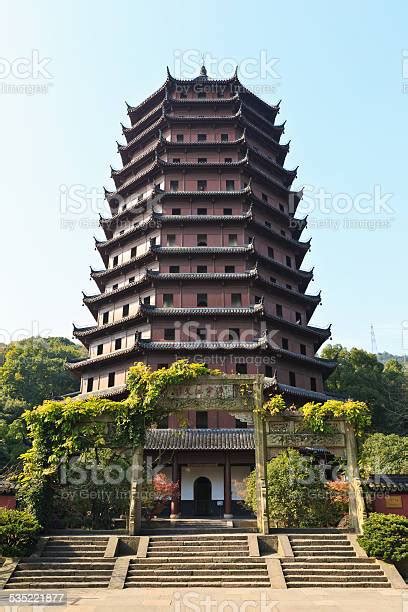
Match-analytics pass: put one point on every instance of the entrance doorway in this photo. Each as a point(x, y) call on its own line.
point(202, 496)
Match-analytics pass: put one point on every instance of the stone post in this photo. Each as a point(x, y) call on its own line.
point(176, 477)
point(356, 498)
point(262, 514)
point(227, 487)
point(135, 506)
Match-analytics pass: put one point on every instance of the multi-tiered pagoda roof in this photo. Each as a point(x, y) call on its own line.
point(202, 251)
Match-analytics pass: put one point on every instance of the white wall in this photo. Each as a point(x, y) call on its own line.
point(214, 473)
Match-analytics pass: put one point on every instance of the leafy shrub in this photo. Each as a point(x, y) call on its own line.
point(18, 532)
point(297, 493)
point(385, 536)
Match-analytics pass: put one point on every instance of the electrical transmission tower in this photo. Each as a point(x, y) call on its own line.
point(374, 348)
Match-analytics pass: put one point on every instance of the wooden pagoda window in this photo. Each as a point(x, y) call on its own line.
point(111, 379)
point(201, 137)
point(202, 269)
point(201, 240)
point(279, 310)
point(240, 424)
point(176, 160)
point(230, 185)
point(180, 137)
point(118, 344)
point(202, 160)
point(229, 269)
point(271, 253)
point(201, 211)
point(285, 344)
point(234, 334)
point(303, 349)
point(228, 160)
point(232, 239)
point(131, 279)
point(241, 368)
point(105, 317)
point(133, 252)
point(298, 317)
point(224, 137)
point(227, 211)
point(292, 379)
point(201, 185)
point(174, 185)
point(125, 310)
point(169, 333)
point(174, 269)
point(236, 300)
point(115, 260)
point(201, 333)
point(171, 240)
point(201, 419)
point(288, 261)
point(313, 383)
point(146, 300)
point(202, 300)
point(176, 211)
point(167, 300)
point(89, 384)
point(99, 349)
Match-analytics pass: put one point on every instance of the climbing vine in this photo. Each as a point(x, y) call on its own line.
point(316, 416)
point(61, 429)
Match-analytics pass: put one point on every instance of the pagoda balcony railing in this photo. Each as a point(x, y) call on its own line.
point(262, 343)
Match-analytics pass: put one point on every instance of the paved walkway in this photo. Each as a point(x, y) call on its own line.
point(230, 600)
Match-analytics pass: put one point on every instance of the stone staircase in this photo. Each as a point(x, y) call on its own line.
point(329, 560)
point(198, 561)
point(194, 526)
point(65, 562)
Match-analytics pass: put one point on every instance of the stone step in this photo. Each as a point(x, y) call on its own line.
point(328, 568)
point(176, 561)
point(321, 553)
point(66, 566)
point(66, 560)
point(55, 554)
point(329, 585)
point(189, 554)
point(58, 571)
point(193, 565)
point(318, 536)
point(322, 559)
point(338, 573)
point(61, 585)
point(78, 539)
point(319, 540)
point(73, 546)
point(164, 550)
point(202, 537)
point(351, 577)
point(59, 578)
point(324, 549)
point(197, 583)
point(258, 571)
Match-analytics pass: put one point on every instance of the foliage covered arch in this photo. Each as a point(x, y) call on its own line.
point(66, 428)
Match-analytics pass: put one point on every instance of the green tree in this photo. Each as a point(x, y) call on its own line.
point(384, 388)
point(382, 454)
point(34, 369)
point(297, 494)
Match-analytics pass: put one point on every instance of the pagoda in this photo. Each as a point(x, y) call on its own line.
point(202, 259)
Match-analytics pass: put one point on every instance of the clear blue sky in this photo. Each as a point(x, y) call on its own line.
point(341, 82)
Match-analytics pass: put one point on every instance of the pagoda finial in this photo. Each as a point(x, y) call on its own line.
point(203, 70)
point(169, 76)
